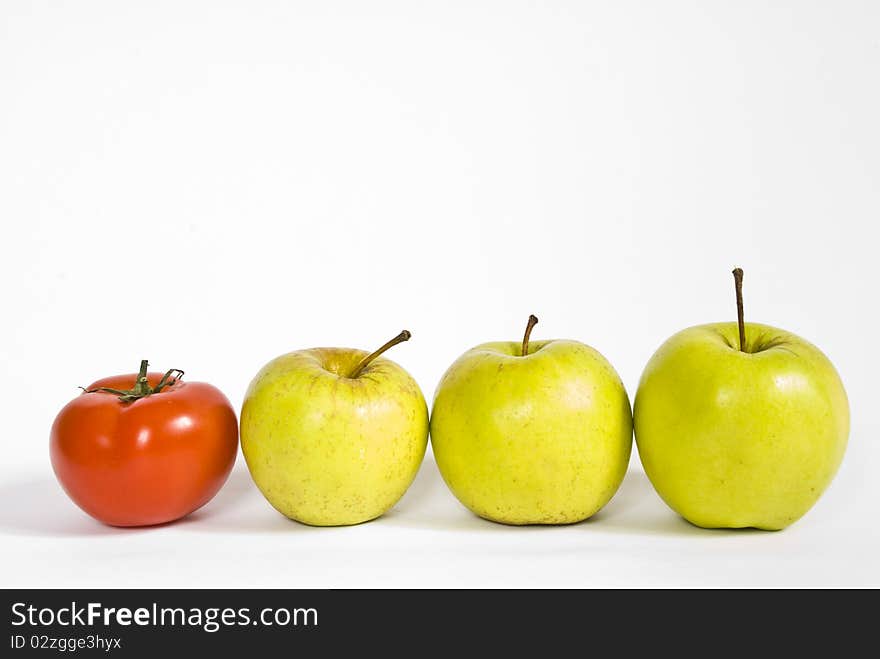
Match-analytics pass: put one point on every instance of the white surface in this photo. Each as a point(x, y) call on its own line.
point(209, 185)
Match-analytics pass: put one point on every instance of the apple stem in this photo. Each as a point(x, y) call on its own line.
point(405, 335)
point(738, 282)
point(141, 388)
point(533, 320)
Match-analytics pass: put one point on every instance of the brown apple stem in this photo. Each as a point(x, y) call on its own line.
point(738, 281)
point(405, 335)
point(533, 320)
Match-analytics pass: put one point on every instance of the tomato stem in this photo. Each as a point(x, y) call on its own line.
point(141, 388)
point(142, 385)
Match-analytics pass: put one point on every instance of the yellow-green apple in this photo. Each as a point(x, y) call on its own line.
point(334, 436)
point(740, 424)
point(532, 433)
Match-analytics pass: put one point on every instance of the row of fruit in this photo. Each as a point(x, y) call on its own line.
point(737, 425)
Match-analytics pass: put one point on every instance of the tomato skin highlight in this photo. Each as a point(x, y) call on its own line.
point(149, 461)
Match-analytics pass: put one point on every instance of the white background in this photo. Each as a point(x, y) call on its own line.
point(211, 184)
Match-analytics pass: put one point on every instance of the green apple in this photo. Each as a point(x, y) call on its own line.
point(740, 424)
point(334, 436)
point(532, 433)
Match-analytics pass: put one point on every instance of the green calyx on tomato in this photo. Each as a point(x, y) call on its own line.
point(142, 386)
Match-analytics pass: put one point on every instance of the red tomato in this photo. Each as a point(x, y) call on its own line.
point(149, 451)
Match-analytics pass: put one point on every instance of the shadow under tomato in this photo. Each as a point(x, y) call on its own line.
point(38, 507)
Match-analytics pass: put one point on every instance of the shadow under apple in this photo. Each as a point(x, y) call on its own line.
point(36, 506)
point(240, 508)
point(635, 509)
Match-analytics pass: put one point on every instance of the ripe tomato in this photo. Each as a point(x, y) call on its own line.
point(135, 450)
